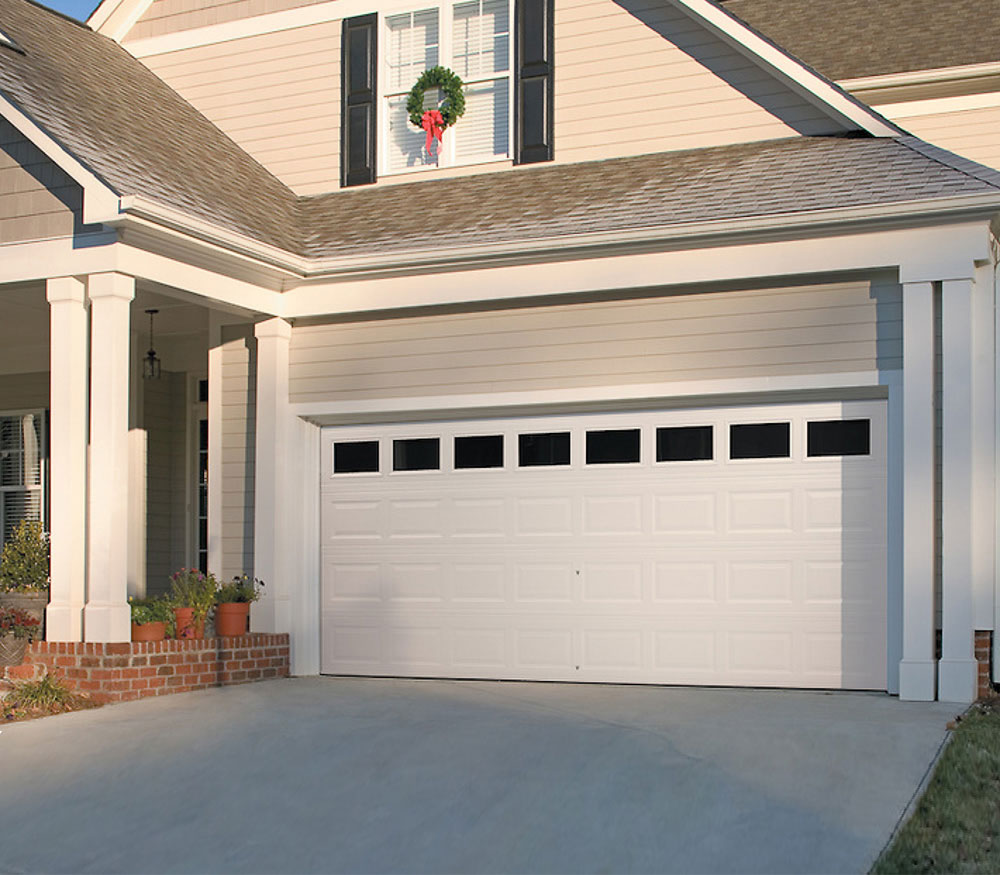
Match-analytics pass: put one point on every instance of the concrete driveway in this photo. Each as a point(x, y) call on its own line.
point(344, 775)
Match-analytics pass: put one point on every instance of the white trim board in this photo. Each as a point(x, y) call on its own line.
point(860, 385)
point(962, 103)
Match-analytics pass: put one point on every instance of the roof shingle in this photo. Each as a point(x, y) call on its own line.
point(776, 177)
point(849, 39)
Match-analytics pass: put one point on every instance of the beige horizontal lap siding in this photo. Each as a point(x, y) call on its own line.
point(38, 200)
point(239, 393)
point(24, 392)
point(276, 95)
point(170, 16)
point(759, 333)
point(973, 133)
point(633, 78)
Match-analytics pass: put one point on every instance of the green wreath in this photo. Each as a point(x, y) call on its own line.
point(453, 106)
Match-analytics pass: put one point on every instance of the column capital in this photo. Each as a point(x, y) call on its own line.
point(64, 289)
point(111, 285)
point(277, 328)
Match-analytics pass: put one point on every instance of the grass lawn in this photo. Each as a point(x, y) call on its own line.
point(956, 825)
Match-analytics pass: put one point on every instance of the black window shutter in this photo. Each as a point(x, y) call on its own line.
point(534, 47)
point(358, 59)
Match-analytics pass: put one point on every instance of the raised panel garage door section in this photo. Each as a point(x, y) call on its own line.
point(736, 546)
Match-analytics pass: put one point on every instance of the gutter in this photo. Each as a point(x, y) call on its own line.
point(144, 213)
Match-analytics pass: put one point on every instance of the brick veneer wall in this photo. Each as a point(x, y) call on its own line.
point(119, 672)
point(984, 653)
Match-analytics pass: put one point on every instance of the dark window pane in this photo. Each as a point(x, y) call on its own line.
point(688, 443)
point(543, 449)
point(613, 447)
point(355, 457)
point(202, 434)
point(203, 390)
point(480, 451)
point(839, 437)
point(416, 454)
point(766, 440)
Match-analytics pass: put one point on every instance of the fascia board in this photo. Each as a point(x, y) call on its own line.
point(115, 18)
point(100, 201)
point(824, 94)
point(231, 241)
point(937, 252)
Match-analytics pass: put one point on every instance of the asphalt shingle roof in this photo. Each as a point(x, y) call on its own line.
point(775, 177)
point(849, 39)
point(143, 139)
point(134, 131)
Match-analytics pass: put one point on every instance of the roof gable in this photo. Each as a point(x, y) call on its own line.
point(128, 130)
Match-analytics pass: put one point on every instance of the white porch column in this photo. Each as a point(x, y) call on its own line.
point(106, 616)
point(957, 671)
point(917, 668)
point(68, 453)
point(272, 537)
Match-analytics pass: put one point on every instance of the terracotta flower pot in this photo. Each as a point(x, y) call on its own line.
point(12, 650)
point(149, 631)
point(186, 626)
point(231, 619)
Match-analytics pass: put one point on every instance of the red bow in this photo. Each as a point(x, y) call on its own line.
point(432, 122)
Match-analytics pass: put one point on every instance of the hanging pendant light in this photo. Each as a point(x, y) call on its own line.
point(151, 363)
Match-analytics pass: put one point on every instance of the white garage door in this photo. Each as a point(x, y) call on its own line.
point(738, 546)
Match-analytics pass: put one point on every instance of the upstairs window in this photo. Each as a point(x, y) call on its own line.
point(472, 38)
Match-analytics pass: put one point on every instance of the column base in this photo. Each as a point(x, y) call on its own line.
point(958, 680)
point(107, 623)
point(63, 622)
point(917, 680)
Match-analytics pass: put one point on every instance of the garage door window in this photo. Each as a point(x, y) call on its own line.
point(355, 457)
point(617, 447)
point(688, 443)
point(549, 448)
point(839, 437)
point(760, 440)
point(416, 454)
point(479, 451)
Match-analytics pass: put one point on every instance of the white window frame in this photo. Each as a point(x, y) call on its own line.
point(446, 157)
point(43, 456)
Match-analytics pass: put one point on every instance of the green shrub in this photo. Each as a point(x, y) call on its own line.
point(24, 563)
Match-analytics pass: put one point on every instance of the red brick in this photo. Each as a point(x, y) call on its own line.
point(165, 670)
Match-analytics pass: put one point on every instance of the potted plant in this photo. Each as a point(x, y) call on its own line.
point(24, 569)
point(192, 596)
point(232, 604)
point(150, 619)
point(17, 628)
